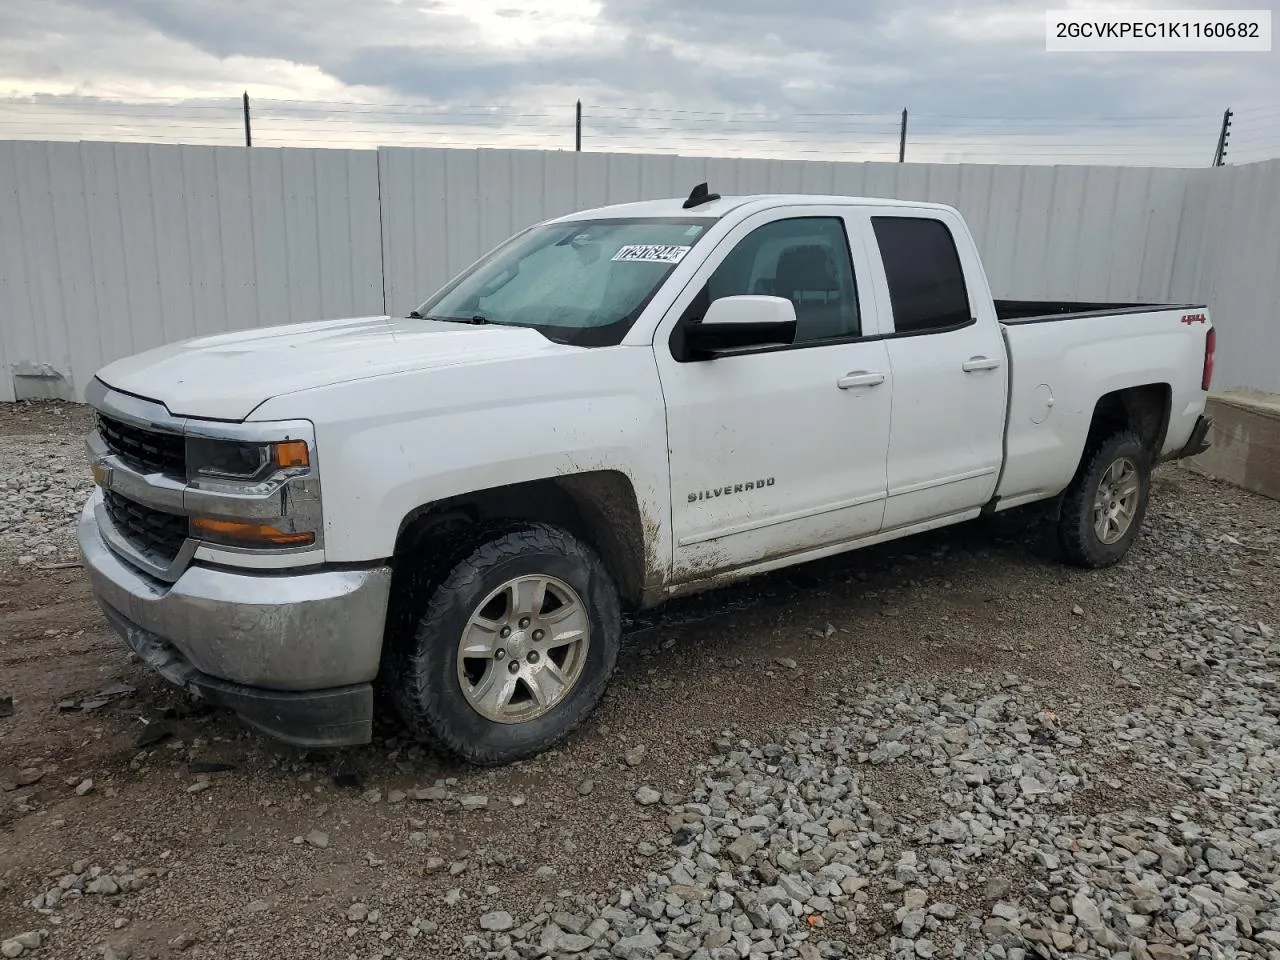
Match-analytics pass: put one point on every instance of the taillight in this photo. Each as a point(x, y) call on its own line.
point(1210, 343)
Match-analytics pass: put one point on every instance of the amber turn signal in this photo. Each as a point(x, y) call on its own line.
point(238, 533)
point(292, 453)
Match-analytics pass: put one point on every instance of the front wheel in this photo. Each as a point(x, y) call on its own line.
point(515, 648)
point(1104, 507)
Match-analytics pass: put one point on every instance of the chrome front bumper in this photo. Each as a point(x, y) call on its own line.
point(281, 639)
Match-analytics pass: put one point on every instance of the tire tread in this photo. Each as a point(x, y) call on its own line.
point(1075, 522)
point(460, 565)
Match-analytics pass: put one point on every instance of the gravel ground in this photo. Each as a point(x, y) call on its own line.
point(44, 481)
point(947, 747)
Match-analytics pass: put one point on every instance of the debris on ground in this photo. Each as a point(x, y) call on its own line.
point(967, 768)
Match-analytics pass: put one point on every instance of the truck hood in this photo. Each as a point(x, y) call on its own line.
point(226, 376)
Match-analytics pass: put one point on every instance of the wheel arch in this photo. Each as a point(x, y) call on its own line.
point(1144, 409)
point(599, 507)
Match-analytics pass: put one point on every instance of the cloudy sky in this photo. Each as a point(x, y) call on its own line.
point(821, 78)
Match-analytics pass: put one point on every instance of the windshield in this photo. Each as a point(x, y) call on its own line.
point(583, 282)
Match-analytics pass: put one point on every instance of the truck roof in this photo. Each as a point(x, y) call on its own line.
point(674, 207)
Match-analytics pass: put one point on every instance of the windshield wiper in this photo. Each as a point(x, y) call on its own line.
point(477, 320)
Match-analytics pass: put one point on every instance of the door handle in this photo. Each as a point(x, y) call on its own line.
point(860, 378)
point(974, 364)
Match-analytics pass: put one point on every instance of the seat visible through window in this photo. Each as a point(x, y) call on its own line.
point(807, 277)
point(804, 260)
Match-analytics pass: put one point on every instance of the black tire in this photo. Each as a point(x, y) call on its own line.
point(423, 672)
point(1077, 534)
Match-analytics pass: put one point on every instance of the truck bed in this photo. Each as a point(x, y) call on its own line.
point(1059, 370)
point(1046, 311)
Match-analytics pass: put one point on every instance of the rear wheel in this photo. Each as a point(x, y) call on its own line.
point(515, 645)
point(1103, 508)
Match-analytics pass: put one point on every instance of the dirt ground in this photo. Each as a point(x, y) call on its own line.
point(212, 820)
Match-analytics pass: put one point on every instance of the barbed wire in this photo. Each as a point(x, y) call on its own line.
point(1169, 140)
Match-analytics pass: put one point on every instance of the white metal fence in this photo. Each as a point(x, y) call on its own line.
point(107, 249)
point(110, 248)
point(1056, 232)
point(1228, 255)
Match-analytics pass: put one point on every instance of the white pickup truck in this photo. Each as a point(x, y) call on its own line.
point(608, 410)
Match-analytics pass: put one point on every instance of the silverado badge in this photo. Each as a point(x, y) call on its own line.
point(728, 489)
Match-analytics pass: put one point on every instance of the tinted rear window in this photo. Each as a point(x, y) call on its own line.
point(926, 282)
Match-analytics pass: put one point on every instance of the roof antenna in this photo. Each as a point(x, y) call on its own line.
point(700, 195)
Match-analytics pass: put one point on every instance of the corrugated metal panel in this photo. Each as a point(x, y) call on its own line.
point(1228, 254)
point(1166, 199)
point(110, 248)
point(107, 249)
point(1060, 232)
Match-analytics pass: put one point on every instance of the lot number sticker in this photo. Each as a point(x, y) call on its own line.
point(651, 253)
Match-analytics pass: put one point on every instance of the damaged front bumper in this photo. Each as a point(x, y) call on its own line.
point(294, 654)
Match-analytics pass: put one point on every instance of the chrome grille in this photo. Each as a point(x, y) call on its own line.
point(151, 451)
point(156, 534)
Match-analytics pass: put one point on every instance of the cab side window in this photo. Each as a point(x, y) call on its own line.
point(805, 260)
point(926, 281)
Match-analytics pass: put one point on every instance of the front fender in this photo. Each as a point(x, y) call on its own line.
point(390, 445)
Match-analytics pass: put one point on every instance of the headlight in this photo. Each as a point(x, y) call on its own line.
point(245, 462)
point(253, 494)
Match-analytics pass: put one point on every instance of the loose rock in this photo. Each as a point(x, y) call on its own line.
point(498, 920)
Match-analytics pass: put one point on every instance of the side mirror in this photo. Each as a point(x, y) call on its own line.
point(736, 324)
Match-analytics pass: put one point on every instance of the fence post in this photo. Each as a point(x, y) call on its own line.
point(902, 138)
point(248, 133)
point(577, 129)
point(1220, 154)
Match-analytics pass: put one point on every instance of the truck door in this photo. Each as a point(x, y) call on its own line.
point(948, 361)
point(782, 450)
